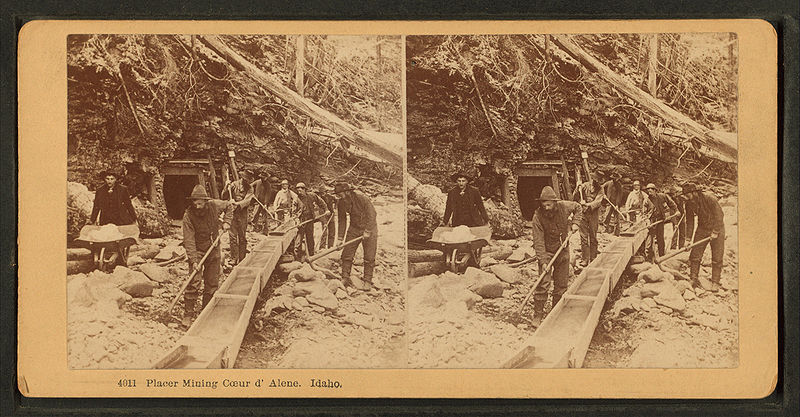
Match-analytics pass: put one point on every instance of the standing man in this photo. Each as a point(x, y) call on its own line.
point(363, 222)
point(679, 229)
point(590, 195)
point(615, 195)
point(551, 225)
point(329, 221)
point(637, 204)
point(286, 202)
point(663, 207)
point(242, 194)
point(464, 204)
point(310, 204)
point(200, 229)
point(710, 223)
point(112, 203)
point(263, 192)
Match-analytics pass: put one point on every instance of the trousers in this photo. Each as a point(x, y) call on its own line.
point(588, 228)
point(209, 280)
point(558, 278)
point(717, 252)
point(238, 238)
point(370, 246)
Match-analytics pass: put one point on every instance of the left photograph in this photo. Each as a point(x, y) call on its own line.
point(235, 201)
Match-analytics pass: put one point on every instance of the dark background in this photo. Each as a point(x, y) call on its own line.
point(782, 14)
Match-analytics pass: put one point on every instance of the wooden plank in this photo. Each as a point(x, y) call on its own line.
point(230, 296)
point(714, 144)
point(587, 331)
point(579, 297)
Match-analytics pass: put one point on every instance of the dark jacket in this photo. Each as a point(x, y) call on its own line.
point(262, 190)
point(662, 206)
point(362, 213)
point(708, 211)
point(311, 205)
point(550, 228)
point(201, 228)
point(114, 206)
point(465, 208)
point(613, 190)
point(592, 197)
point(242, 194)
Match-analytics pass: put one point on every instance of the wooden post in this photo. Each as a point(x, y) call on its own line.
point(299, 64)
point(213, 177)
point(652, 64)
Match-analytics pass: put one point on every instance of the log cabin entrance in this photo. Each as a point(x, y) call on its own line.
point(180, 177)
point(532, 176)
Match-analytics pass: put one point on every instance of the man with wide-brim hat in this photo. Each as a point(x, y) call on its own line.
point(201, 226)
point(616, 196)
point(663, 209)
point(552, 223)
point(464, 204)
point(590, 195)
point(311, 204)
point(240, 192)
point(710, 223)
point(356, 206)
point(263, 193)
point(112, 202)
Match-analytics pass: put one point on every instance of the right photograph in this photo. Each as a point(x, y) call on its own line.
point(572, 200)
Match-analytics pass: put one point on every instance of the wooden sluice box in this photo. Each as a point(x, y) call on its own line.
point(561, 341)
point(214, 339)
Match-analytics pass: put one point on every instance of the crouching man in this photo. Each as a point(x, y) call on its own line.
point(201, 224)
point(551, 225)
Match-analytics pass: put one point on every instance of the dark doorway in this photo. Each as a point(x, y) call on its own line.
point(176, 189)
point(529, 189)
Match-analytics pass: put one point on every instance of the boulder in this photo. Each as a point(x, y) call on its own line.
point(499, 253)
point(170, 252)
point(506, 273)
point(652, 289)
point(324, 299)
point(632, 291)
point(488, 286)
point(670, 297)
point(519, 254)
point(637, 269)
point(654, 274)
point(425, 294)
point(682, 286)
point(488, 261)
point(688, 295)
point(649, 302)
point(677, 262)
point(341, 294)
point(135, 260)
point(625, 305)
point(133, 282)
point(145, 251)
point(155, 272)
point(307, 287)
point(289, 266)
point(153, 221)
point(334, 284)
point(305, 273)
point(96, 288)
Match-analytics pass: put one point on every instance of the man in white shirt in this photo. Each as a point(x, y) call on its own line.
point(286, 202)
point(637, 202)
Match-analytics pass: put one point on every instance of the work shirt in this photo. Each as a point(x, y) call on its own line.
point(662, 205)
point(465, 207)
point(638, 201)
point(362, 213)
point(113, 205)
point(262, 190)
point(287, 200)
point(310, 205)
point(242, 194)
point(613, 190)
point(551, 227)
point(708, 211)
point(592, 196)
point(201, 227)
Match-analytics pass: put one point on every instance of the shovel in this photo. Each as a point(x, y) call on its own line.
point(544, 272)
point(327, 252)
point(196, 270)
point(681, 250)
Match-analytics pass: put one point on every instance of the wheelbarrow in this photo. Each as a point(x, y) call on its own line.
point(462, 254)
point(119, 247)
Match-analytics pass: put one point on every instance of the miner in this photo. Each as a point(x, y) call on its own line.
point(112, 203)
point(710, 223)
point(664, 209)
point(262, 194)
point(311, 204)
point(616, 196)
point(590, 195)
point(551, 223)
point(286, 202)
point(679, 229)
point(329, 221)
point(637, 203)
point(241, 193)
point(201, 223)
point(464, 204)
point(363, 222)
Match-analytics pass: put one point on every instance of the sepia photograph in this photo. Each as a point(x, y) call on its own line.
point(235, 201)
point(573, 200)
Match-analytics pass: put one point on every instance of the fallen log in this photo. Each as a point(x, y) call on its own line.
point(431, 255)
point(75, 254)
point(357, 137)
point(80, 266)
point(145, 251)
point(499, 253)
point(714, 144)
point(426, 268)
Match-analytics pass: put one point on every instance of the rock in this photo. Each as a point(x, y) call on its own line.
point(506, 273)
point(132, 282)
point(625, 305)
point(670, 297)
point(155, 272)
point(666, 310)
point(153, 221)
point(676, 262)
point(283, 290)
point(519, 254)
point(499, 253)
point(426, 294)
point(305, 273)
point(488, 261)
point(307, 287)
point(649, 302)
point(323, 298)
point(682, 286)
point(135, 260)
point(637, 269)
point(688, 295)
point(396, 318)
point(80, 266)
point(289, 266)
point(301, 301)
point(654, 274)
point(650, 290)
point(170, 252)
point(334, 285)
point(341, 294)
point(488, 286)
point(632, 291)
point(318, 309)
point(644, 306)
point(145, 251)
point(95, 289)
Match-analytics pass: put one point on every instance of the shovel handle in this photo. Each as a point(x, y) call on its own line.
point(334, 249)
point(681, 250)
point(544, 272)
point(196, 270)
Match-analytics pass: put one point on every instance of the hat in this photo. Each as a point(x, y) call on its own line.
point(548, 194)
point(109, 172)
point(458, 175)
point(650, 186)
point(285, 182)
point(199, 193)
point(300, 185)
point(636, 182)
point(341, 187)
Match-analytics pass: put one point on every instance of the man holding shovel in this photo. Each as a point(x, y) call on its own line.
point(590, 195)
point(200, 232)
point(710, 223)
point(363, 222)
point(311, 203)
point(551, 227)
point(661, 206)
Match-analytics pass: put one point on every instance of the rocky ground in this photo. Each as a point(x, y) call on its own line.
point(453, 325)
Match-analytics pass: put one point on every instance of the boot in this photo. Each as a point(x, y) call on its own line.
point(538, 313)
point(188, 313)
point(694, 276)
point(347, 266)
point(716, 274)
point(369, 268)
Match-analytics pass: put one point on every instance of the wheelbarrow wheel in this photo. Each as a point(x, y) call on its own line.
point(459, 260)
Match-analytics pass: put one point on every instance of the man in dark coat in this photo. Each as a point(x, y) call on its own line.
point(242, 194)
point(616, 195)
point(710, 223)
point(679, 229)
point(263, 193)
point(112, 203)
point(464, 204)
point(363, 222)
point(200, 229)
point(329, 221)
point(311, 204)
point(551, 223)
point(590, 195)
point(663, 209)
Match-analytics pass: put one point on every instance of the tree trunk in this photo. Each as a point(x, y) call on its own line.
point(431, 255)
point(709, 142)
point(652, 64)
point(426, 268)
point(299, 64)
point(427, 196)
